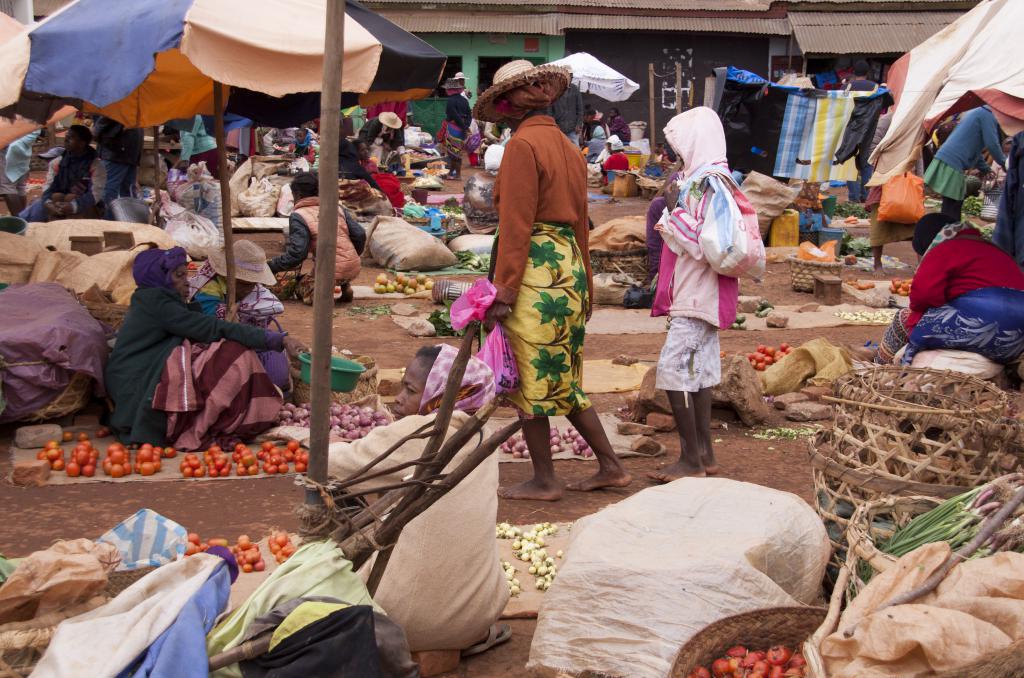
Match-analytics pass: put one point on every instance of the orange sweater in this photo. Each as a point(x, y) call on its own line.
point(543, 178)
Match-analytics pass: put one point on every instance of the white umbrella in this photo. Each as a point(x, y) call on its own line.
point(590, 75)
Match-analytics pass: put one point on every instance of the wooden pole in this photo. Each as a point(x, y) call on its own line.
point(650, 102)
point(225, 193)
point(155, 214)
point(679, 88)
point(323, 294)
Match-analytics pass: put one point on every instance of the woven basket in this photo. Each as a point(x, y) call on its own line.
point(74, 397)
point(365, 390)
point(22, 644)
point(789, 626)
point(631, 262)
point(873, 523)
point(120, 580)
point(111, 314)
point(803, 272)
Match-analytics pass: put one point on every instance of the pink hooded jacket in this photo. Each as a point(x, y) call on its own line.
point(687, 286)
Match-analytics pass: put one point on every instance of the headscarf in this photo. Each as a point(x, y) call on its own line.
point(154, 268)
point(698, 138)
point(933, 229)
point(477, 387)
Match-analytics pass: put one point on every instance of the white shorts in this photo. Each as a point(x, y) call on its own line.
point(691, 358)
point(8, 187)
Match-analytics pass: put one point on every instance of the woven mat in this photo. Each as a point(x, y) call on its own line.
point(527, 604)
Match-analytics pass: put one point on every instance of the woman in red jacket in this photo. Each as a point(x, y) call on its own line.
point(967, 295)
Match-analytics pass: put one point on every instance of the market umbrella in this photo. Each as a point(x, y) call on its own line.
point(955, 70)
point(154, 60)
point(593, 76)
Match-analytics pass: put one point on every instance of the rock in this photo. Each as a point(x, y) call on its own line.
point(808, 411)
point(809, 308)
point(632, 428)
point(435, 662)
point(421, 328)
point(625, 360)
point(815, 393)
point(777, 320)
point(661, 422)
point(31, 473)
point(749, 304)
point(646, 446)
point(740, 390)
point(650, 399)
point(786, 400)
point(403, 309)
point(29, 437)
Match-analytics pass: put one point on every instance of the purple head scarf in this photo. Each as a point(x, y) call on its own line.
point(153, 268)
point(477, 387)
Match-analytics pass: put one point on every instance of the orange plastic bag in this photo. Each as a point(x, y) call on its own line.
point(808, 251)
point(902, 199)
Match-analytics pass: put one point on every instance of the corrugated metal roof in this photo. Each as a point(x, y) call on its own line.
point(866, 32)
point(556, 24)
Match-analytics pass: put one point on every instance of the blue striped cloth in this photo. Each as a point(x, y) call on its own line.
point(797, 125)
point(147, 539)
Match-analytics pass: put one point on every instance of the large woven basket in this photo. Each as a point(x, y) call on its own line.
point(631, 262)
point(22, 644)
point(74, 397)
point(872, 524)
point(789, 626)
point(802, 272)
point(365, 390)
point(111, 314)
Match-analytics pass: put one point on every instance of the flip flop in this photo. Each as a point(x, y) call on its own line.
point(496, 635)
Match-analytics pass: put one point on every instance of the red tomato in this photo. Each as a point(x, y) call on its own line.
point(769, 351)
point(116, 471)
point(300, 467)
point(146, 468)
point(282, 539)
point(89, 470)
point(778, 655)
point(198, 472)
point(293, 445)
point(74, 470)
point(784, 346)
point(259, 566)
point(267, 445)
point(170, 453)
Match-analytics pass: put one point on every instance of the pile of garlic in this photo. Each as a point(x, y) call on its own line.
point(528, 547)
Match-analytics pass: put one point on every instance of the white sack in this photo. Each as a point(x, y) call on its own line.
point(642, 576)
point(473, 242)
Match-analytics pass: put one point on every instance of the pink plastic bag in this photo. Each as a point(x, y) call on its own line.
point(497, 353)
point(473, 303)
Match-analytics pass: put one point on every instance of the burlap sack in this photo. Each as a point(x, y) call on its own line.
point(618, 235)
point(66, 574)
point(146, 170)
point(396, 244)
point(769, 197)
point(977, 611)
point(818, 362)
point(444, 583)
point(610, 288)
point(17, 258)
point(57, 234)
point(111, 272)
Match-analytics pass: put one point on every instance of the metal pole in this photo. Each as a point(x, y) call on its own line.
point(327, 237)
point(225, 193)
point(679, 88)
point(650, 102)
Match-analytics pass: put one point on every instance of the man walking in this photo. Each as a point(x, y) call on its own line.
point(120, 151)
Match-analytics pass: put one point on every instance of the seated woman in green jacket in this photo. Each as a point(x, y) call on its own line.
point(181, 378)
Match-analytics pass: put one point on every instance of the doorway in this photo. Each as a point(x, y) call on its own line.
point(488, 66)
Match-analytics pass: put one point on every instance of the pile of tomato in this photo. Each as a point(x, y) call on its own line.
point(247, 553)
point(766, 356)
point(271, 459)
point(739, 662)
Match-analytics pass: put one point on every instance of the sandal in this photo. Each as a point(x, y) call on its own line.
point(496, 635)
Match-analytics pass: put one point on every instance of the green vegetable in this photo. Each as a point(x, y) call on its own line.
point(972, 206)
point(441, 319)
point(763, 313)
point(473, 261)
point(858, 247)
point(784, 433)
point(952, 521)
point(850, 209)
point(372, 311)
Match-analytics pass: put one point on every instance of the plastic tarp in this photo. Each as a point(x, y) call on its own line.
point(593, 76)
point(978, 59)
point(642, 576)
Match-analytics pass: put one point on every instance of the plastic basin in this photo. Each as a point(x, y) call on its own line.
point(15, 225)
point(344, 373)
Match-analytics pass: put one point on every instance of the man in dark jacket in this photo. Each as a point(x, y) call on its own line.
point(568, 113)
point(120, 151)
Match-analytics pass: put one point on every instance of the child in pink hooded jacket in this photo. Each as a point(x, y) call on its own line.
point(698, 300)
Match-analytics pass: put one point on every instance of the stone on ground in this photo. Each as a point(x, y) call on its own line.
point(32, 473)
point(646, 446)
point(661, 422)
point(749, 304)
point(632, 428)
point(28, 437)
point(777, 320)
point(786, 400)
point(422, 328)
point(740, 390)
point(808, 411)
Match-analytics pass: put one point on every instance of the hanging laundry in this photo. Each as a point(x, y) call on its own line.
point(797, 122)
point(814, 162)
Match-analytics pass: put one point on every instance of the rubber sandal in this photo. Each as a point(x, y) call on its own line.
point(496, 635)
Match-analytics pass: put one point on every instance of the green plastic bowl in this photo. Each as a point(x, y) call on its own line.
point(15, 225)
point(344, 373)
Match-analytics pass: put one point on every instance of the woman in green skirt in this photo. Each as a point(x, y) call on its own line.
point(542, 273)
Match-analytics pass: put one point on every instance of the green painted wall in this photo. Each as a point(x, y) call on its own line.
point(470, 47)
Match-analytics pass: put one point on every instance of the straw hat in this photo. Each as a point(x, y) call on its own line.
point(250, 263)
point(389, 119)
point(457, 81)
point(516, 74)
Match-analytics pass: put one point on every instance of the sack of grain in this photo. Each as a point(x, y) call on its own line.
point(398, 245)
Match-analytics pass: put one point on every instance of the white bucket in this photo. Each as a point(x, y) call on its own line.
point(637, 130)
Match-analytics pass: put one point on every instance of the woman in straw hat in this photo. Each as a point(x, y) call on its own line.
point(542, 272)
point(257, 306)
point(383, 135)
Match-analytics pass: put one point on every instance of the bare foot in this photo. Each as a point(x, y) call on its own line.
point(601, 480)
point(676, 471)
point(532, 489)
point(712, 469)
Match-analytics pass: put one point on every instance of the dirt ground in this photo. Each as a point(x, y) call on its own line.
point(36, 517)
